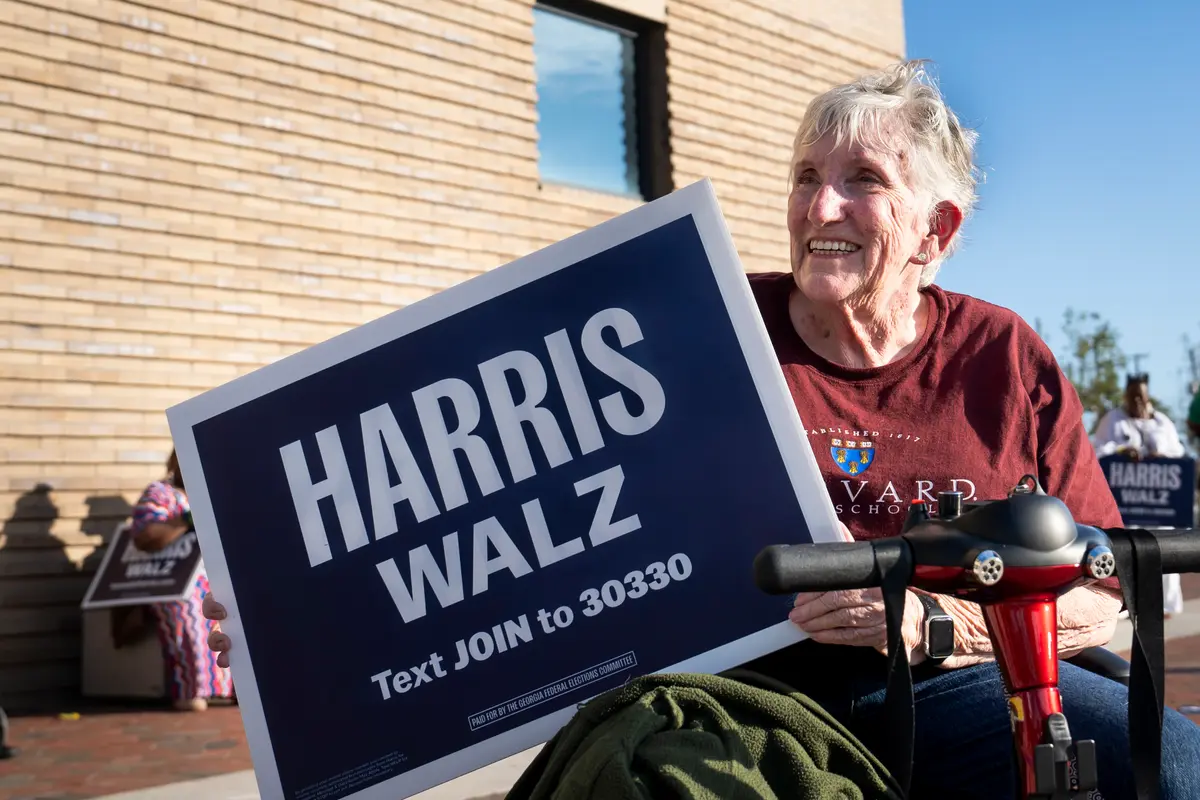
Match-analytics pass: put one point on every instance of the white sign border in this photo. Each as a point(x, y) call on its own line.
point(697, 200)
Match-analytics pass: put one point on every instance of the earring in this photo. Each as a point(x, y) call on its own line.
point(921, 258)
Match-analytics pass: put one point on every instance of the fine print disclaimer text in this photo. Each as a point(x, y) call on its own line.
point(338, 785)
point(512, 633)
point(550, 691)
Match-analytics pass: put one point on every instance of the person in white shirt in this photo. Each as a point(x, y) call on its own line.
point(1137, 430)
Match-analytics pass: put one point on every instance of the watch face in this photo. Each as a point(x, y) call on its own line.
point(940, 641)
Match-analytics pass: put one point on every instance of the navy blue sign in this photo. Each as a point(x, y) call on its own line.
point(128, 576)
point(439, 533)
point(1154, 492)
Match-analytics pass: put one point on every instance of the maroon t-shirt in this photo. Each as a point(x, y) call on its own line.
point(976, 405)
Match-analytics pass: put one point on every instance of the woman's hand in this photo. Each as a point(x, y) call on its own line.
point(856, 617)
point(1130, 452)
point(218, 642)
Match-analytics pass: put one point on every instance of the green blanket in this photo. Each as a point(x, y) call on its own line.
point(739, 736)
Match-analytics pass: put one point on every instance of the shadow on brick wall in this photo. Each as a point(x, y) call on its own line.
point(105, 514)
point(43, 579)
point(40, 588)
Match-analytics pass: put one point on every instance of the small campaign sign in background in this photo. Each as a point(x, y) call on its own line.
point(129, 576)
point(440, 532)
point(1153, 492)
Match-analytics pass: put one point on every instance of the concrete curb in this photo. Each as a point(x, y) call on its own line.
point(488, 783)
point(231, 786)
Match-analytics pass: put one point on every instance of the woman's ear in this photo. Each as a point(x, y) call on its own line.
point(944, 225)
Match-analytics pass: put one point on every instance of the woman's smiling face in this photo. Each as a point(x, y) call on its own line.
point(857, 227)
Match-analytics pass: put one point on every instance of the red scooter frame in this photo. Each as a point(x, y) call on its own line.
point(1014, 557)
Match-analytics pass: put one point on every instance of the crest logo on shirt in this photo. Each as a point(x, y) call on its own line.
point(852, 456)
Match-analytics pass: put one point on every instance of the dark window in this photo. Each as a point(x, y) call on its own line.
point(601, 86)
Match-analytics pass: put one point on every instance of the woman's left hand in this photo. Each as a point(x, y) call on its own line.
point(855, 617)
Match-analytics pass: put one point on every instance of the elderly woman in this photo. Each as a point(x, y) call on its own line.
point(905, 390)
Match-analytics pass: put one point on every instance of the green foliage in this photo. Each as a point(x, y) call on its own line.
point(1096, 364)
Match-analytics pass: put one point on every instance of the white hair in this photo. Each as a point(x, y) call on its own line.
point(902, 100)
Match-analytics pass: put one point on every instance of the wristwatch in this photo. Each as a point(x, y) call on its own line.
point(937, 631)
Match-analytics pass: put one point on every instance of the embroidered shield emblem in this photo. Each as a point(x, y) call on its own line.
point(853, 457)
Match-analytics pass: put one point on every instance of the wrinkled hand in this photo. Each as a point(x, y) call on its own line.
point(856, 617)
point(218, 642)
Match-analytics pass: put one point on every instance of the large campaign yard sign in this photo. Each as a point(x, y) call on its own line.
point(1153, 492)
point(440, 532)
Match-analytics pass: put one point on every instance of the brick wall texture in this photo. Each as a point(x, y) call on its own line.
point(195, 188)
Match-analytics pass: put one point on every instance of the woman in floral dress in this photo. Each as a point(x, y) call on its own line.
point(161, 516)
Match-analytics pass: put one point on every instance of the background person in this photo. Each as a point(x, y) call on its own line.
point(904, 389)
point(1137, 430)
point(161, 516)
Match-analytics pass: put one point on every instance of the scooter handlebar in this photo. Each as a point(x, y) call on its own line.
point(830, 566)
point(1180, 548)
point(790, 568)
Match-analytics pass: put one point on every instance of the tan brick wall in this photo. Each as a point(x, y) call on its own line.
point(192, 189)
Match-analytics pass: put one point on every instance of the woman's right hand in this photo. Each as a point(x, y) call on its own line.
point(218, 642)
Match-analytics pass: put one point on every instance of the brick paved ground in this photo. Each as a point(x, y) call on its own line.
point(111, 750)
point(114, 750)
point(1183, 675)
point(1183, 660)
point(1191, 586)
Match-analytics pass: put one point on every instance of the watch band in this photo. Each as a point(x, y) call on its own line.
point(931, 606)
point(936, 615)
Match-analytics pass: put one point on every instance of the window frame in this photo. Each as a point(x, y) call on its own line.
point(650, 91)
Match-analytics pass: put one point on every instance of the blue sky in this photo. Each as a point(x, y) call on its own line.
point(1089, 121)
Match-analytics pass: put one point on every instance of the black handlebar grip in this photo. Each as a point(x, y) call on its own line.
point(825, 566)
point(1180, 550)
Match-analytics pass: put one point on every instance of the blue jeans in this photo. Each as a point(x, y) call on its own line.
point(963, 744)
